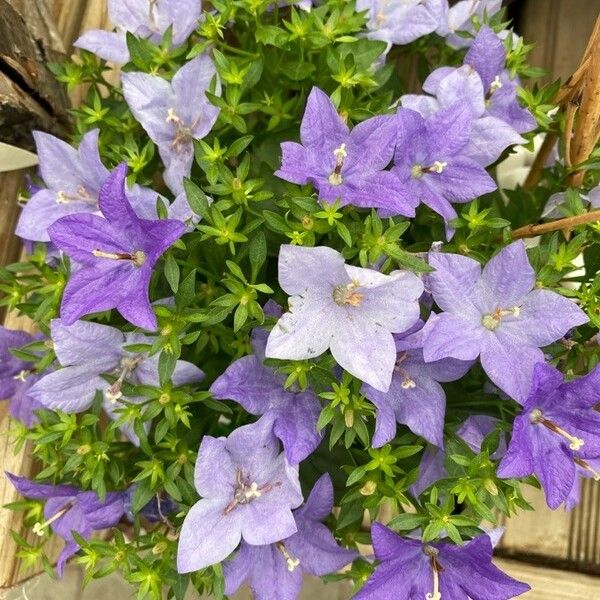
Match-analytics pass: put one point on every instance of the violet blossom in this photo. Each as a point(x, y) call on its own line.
point(17, 376)
point(415, 397)
point(117, 255)
point(552, 208)
point(461, 16)
point(558, 430)
point(259, 390)
point(403, 21)
point(349, 310)
point(145, 19)
point(86, 351)
point(345, 165)
point(248, 492)
point(432, 163)
point(69, 509)
point(277, 570)
point(435, 571)
point(497, 314)
point(174, 113)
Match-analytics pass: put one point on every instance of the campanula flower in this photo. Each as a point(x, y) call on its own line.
point(461, 17)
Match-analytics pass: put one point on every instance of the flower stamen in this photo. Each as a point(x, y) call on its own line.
point(128, 365)
point(340, 154)
point(292, 561)
point(492, 321)
point(22, 375)
point(138, 258)
point(247, 492)
point(39, 528)
point(436, 569)
point(537, 417)
point(344, 295)
point(586, 465)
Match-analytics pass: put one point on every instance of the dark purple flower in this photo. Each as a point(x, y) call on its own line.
point(435, 571)
point(345, 165)
point(145, 19)
point(17, 376)
point(496, 314)
point(174, 113)
point(277, 570)
point(117, 255)
point(557, 431)
point(431, 160)
point(349, 310)
point(260, 391)
point(248, 492)
point(69, 509)
point(415, 397)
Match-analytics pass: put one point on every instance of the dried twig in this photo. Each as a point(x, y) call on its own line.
point(565, 224)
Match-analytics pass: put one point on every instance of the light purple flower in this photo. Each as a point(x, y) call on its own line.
point(260, 391)
point(460, 19)
point(145, 19)
point(348, 310)
point(432, 468)
point(496, 314)
point(557, 431)
point(403, 21)
point(432, 163)
point(88, 350)
point(556, 201)
point(174, 113)
point(277, 570)
point(436, 571)
point(248, 492)
point(117, 255)
point(345, 165)
point(415, 397)
point(17, 376)
point(70, 509)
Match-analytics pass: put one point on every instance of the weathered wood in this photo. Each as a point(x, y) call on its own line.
point(30, 97)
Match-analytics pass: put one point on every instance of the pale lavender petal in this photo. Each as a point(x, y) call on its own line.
point(105, 44)
point(321, 125)
point(451, 335)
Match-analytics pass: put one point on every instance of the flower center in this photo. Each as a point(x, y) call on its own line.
point(336, 176)
point(536, 417)
point(246, 492)
point(586, 465)
point(417, 171)
point(183, 133)
point(127, 366)
point(344, 295)
point(408, 383)
point(292, 561)
point(82, 195)
point(436, 569)
point(138, 258)
point(492, 321)
point(22, 375)
point(39, 528)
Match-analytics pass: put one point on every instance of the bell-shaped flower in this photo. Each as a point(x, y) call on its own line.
point(497, 314)
point(348, 310)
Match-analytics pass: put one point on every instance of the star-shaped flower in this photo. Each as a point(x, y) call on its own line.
point(260, 391)
point(496, 314)
point(403, 21)
point(17, 376)
point(345, 165)
point(248, 492)
point(557, 431)
point(432, 163)
point(70, 509)
point(88, 350)
point(145, 19)
point(174, 113)
point(435, 571)
point(351, 311)
point(415, 397)
point(277, 570)
point(117, 255)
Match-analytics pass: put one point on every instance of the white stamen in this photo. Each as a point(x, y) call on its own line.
point(340, 154)
point(252, 492)
point(537, 417)
point(22, 375)
point(172, 116)
point(408, 384)
point(62, 198)
point(38, 528)
point(292, 561)
point(496, 84)
point(492, 321)
point(438, 167)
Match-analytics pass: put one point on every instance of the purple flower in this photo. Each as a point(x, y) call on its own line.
point(460, 18)
point(415, 397)
point(552, 209)
point(586, 468)
point(277, 570)
point(403, 21)
point(411, 569)
point(17, 376)
point(260, 391)
point(248, 492)
point(432, 468)
point(431, 161)
point(174, 113)
point(557, 431)
point(145, 19)
point(351, 311)
point(69, 509)
point(345, 165)
point(88, 350)
point(73, 179)
point(116, 254)
point(496, 314)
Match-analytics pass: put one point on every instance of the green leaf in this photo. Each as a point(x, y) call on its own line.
point(186, 291)
point(166, 366)
point(172, 272)
point(407, 522)
point(408, 260)
point(257, 253)
point(197, 199)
